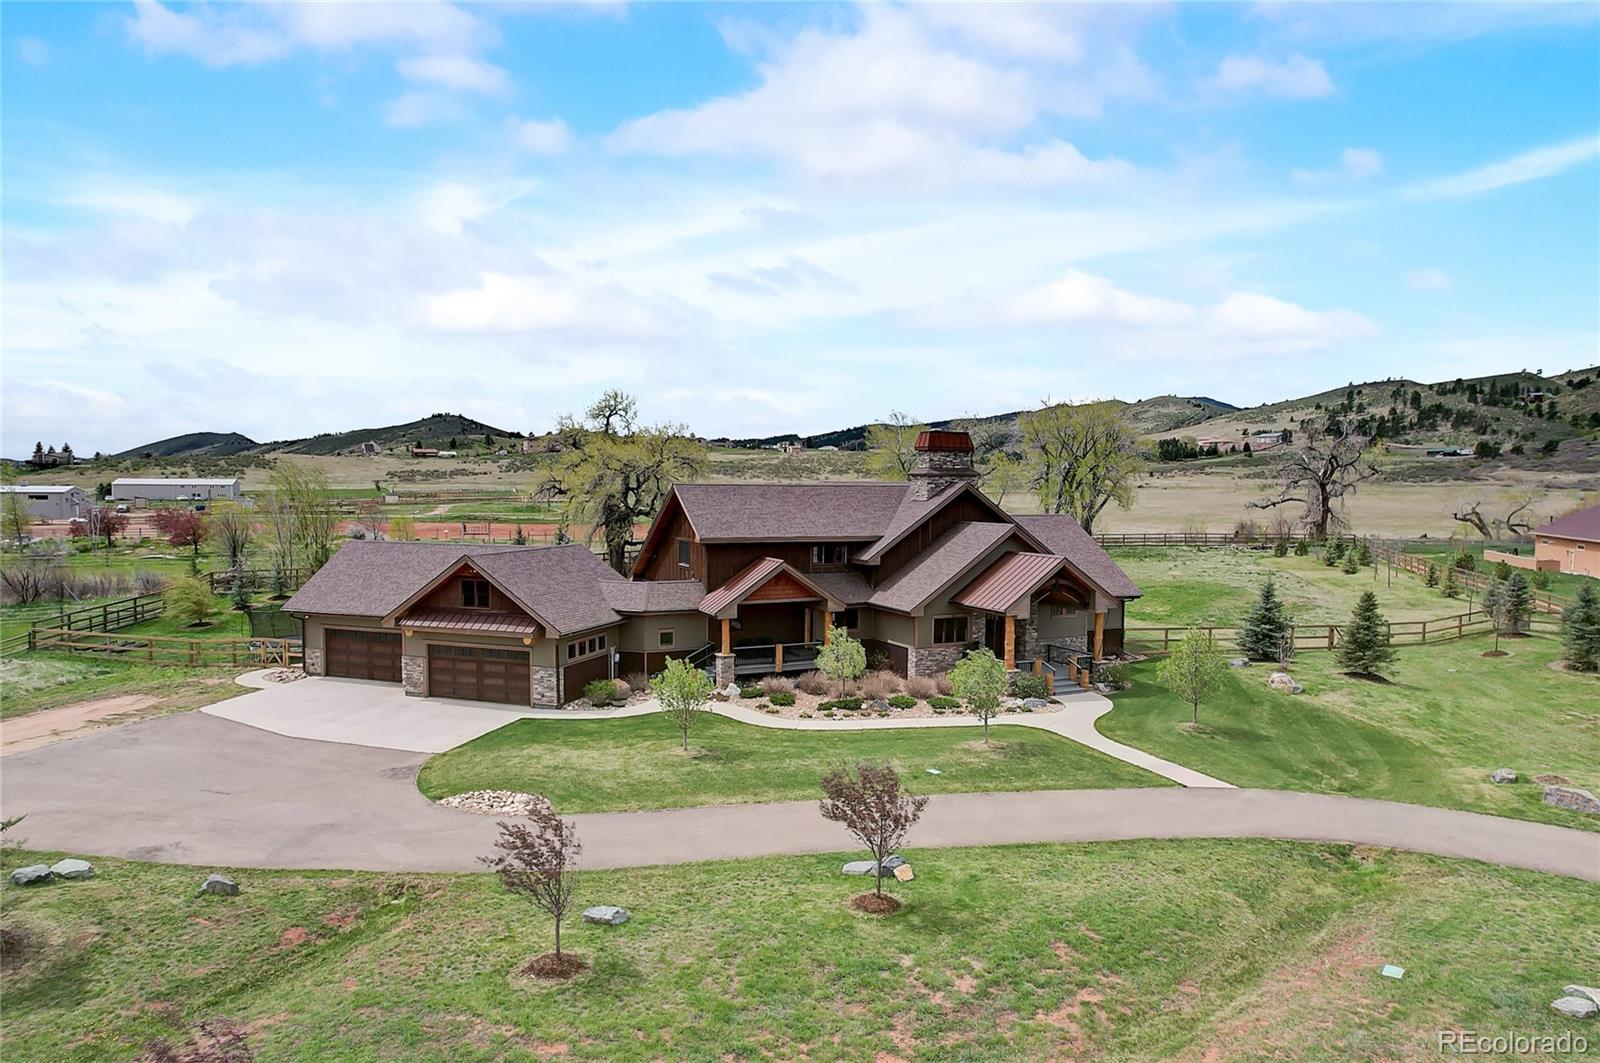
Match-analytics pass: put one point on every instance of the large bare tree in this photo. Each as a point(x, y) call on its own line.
point(1081, 458)
point(1320, 475)
point(1515, 521)
point(891, 446)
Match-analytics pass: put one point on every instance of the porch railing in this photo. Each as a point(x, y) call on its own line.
point(775, 658)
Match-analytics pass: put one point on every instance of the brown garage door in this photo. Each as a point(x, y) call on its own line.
point(478, 674)
point(575, 675)
point(363, 654)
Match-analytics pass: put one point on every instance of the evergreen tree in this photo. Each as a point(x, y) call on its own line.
point(1580, 630)
point(1430, 576)
point(1333, 552)
point(1494, 607)
point(1364, 553)
point(1352, 562)
point(1450, 588)
point(1265, 626)
point(38, 454)
point(1301, 548)
point(1364, 646)
point(1519, 603)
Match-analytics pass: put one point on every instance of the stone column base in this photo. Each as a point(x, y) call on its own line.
point(722, 670)
point(544, 687)
point(313, 661)
point(414, 675)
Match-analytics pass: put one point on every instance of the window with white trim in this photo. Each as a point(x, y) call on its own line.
point(949, 629)
point(585, 647)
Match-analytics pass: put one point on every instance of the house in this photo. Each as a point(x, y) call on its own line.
point(172, 489)
point(424, 452)
point(50, 501)
point(1572, 542)
point(748, 579)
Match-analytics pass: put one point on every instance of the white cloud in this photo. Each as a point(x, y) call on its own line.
point(413, 109)
point(120, 198)
point(541, 137)
point(457, 72)
point(1531, 165)
point(1429, 280)
point(448, 206)
point(534, 303)
point(31, 51)
point(1296, 77)
point(1251, 317)
point(1355, 164)
point(1081, 298)
point(792, 274)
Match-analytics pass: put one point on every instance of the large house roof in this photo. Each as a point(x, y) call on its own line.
point(558, 584)
point(772, 512)
point(38, 489)
point(1584, 524)
point(948, 556)
point(163, 481)
point(1062, 535)
point(653, 596)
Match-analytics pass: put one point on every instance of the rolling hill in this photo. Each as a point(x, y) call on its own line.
point(194, 444)
point(435, 430)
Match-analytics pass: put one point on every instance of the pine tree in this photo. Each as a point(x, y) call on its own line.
point(1364, 553)
point(1364, 646)
point(1519, 603)
point(1430, 576)
point(1580, 631)
point(1265, 626)
point(1494, 607)
point(1450, 588)
point(1351, 564)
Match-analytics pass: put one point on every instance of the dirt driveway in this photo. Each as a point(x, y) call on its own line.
point(51, 725)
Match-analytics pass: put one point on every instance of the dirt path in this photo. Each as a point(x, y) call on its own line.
point(52, 725)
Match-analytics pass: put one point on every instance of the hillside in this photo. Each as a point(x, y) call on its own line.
point(448, 431)
point(194, 444)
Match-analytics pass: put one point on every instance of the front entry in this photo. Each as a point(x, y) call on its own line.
point(994, 635)
point(477, 674)
point(362, 654)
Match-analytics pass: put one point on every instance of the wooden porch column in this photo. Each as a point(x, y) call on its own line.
point(807, 623)
point(1100, 634)
point(827, 626)
point(727, 636)
point(777, 657)
point(1011, 642)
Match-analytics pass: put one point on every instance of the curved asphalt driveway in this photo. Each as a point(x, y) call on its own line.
point(197, 789)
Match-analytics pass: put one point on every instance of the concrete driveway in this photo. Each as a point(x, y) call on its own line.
point(361, 713)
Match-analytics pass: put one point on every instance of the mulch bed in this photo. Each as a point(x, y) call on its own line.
point(554, 968)
point(1496, 653)
point(873, 904)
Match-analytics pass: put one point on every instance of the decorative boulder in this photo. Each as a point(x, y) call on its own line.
point(220, 885)
point(1239, 662)
point(731, 690)
point(1572, 797)
point(72, 867)
point(859, 867)
point(1503, 775)
point(32, 875)
point(879, 705)
point(903, 873)
point(1285, 682)
point(1035, 703)
point(1576, 1007)
point(1582, 991)
point(892, 861)
point(605, 915)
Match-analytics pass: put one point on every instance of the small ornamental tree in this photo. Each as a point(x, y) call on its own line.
point(871, 803)
point(402, 528)
point(104, 522)
point(1448, 586)
point(190, 600)
point(1364, 644)
point(14, 518)
point(842, 659)
point(539, 860)
point(183, 527)
point(1192, 670)
point(980, 679)
point(1519, 604)
point(1580, 630)
point(1265, 626)
point(684, 692)
point(1494, 607)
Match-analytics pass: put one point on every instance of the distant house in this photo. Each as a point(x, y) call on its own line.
point(1269, 439)
point(50, 501)
point(172, 489)
point(445, 454)
point(424, 452)
point(1573, 542)
point(791, 448)
point(369, 449)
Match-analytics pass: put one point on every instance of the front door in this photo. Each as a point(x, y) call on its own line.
point(994, 635)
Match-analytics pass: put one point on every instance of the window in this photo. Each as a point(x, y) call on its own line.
point(667, 637)
point(830, 554)
point(848, 619)
point(475, 594)
point(683, 553)
point(585, 647)
point(948, 629)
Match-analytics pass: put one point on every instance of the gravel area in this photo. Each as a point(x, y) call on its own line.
point(805, 707)
point(495, 803)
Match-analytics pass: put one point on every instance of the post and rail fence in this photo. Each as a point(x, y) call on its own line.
point(1155, 641)
point(107, 616)
point(168, 649)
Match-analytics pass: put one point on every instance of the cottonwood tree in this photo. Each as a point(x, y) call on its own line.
point(979, 679)
point(870, 801)
point(14, 518)
point(614, 471)
point(1080, 459)
point(539, 861)
point(402, 527)
point(183, 527)
point(234, 528)
point(1516, 520)
point(1003, 475)
point(1265, 626)
point(891, 446)
point(1580, 630)
point(1192, 670)
point(842, 659)
point(1364, 643)
point(300, 517)
point(684, 692)
point(1324, 471)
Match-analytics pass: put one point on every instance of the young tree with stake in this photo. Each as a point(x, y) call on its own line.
point(979, 678)
point(842, 659)
point(539, 860)
point(684, 692)
point(1192, 670)
point(872, 804)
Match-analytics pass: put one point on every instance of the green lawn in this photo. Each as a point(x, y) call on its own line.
point(1137, 951)
point(1562, 583)
point(1431, 736)
point(1215, 586)
point(635, 763)
point(46, 680)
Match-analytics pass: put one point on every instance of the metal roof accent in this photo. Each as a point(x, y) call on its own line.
point(933, 439)
point(1008, 580)
point(472, 620)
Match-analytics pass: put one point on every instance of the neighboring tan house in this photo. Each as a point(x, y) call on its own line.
point(1572, 542)
point(50, 501)
point(171, 489)
point(748, 579)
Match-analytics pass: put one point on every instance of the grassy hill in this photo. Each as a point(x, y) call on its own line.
point(196, 444)
point(451, 431)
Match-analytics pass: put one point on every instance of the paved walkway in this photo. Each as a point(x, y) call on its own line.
point(373, 714)
point(197, 789)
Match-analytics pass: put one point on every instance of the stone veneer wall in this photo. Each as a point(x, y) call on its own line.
point(934, 659)
point(722, 673)
point(544, 686)
point(313, 660)
point(413, 674)
point(938, 469)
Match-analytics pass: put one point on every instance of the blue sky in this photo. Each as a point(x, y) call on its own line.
point(282, 219)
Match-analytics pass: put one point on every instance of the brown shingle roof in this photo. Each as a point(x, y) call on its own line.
point(1062, 535)
point(847, 588)
point(790, 511)
point(945, 559)
point(1584, 524)
point(559, 584)
point(749, 579)
point(1011, 577)
point(912, 512)
point(652, 596)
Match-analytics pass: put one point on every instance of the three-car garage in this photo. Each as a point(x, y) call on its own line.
point(357, 654)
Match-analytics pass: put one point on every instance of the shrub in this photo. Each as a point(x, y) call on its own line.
point(750, 690)
point(1302, 548)
point(1280, 548)
point(942, 681)
point(600, 692)
point(1430, 575)
point(782, 697)
point(902, 701)
point(1028, 685)
point(1118, 675)
point(1502, 571)
point(1465, 560)
point(880, 684)
point(922, 687)
point(813, 683)
point(1540, 579)
point(639, 682)
point(777, 684)
point(944, 702)
point(841, 705)
point(190, 600)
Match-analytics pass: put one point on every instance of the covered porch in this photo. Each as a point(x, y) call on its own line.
point(771, 620)
point(1021, 599)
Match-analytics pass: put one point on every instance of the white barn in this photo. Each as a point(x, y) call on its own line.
point(50, 501)
point(164, 489)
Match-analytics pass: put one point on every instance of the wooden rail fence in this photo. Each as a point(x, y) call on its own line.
point(1180, 538)
point(167, 649)
point(1153, 641)
point(1393, 553)
point(108, 616)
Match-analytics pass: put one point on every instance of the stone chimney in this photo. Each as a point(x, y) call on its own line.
point(944, 460)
